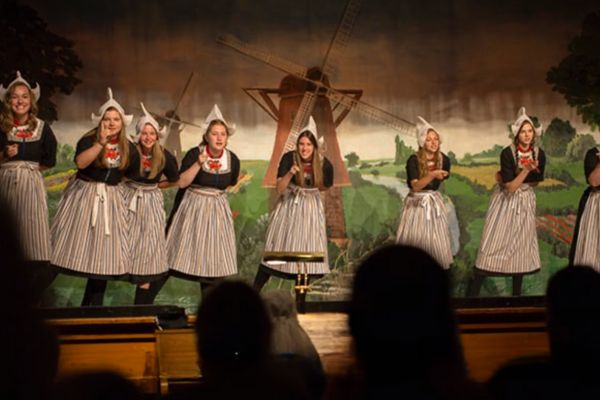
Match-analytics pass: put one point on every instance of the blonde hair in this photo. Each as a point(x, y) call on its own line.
point(123, 144)
point(158, 160)
point(317, 170)
point(6, 115)
point(422, 158)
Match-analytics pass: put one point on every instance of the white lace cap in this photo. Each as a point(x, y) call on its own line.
point(148, 119)
point(19, 80)
point(215, 114)
point(111, 103)
point(422, 128)
point(522, 117)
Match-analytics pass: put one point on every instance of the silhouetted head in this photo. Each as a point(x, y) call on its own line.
point(400, 312)
point(573, 307)
point(233, 329)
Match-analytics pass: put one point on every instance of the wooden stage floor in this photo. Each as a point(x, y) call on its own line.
point(159, 359)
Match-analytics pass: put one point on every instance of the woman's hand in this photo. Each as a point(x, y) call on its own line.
point(438, 174)
point(531, 166)
point(12, 150)
point(294, 170)
point(498, 177)
point(104, 134)
point(203, 156)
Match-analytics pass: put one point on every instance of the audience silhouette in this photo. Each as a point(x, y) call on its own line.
point(291, 346)
point(573, 314)
point(30, 347)
point(234, 339)
point(404, 331)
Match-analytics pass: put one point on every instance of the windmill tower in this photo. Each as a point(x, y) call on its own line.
point(282, 105)
point(304, 92)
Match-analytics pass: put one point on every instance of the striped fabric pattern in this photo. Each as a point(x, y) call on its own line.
point(145, 222)
point(509, 243)
point(297, 224)
point(201, 239)
point(587, 251)
point(22, 187)
point(424, 224)
point(81, 247)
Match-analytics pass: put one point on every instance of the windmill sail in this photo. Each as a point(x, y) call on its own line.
point(263, 55)
point(401, 125)
point(300, 119)
point(172, 120)
point(341, 37)
point(376, 113)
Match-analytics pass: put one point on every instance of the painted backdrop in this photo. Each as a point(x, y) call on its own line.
point(465, 66)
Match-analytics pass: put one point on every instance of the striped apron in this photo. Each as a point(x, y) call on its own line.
point(424, 224)
point(201, 239)
point(89, 232)
point(22, 187)
point(297, 225)
point(509, 243)
point(145, 222)
point(587, 251)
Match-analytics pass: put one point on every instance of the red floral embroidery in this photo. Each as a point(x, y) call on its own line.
point(214, 165)
point(147, 163)
point(525, 161)
point(112, 154)
point(24, 134)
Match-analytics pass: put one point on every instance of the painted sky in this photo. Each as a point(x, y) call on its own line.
point(464, 65)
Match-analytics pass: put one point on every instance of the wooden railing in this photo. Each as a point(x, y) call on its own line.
point(159, 360)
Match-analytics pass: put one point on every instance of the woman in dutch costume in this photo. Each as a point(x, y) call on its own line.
point(585, 248)
point(509, 243)
point(201, 239)
point(424, 221)
point(145, 215)
point(297, 224)
point(27, 147)
point(89, 231)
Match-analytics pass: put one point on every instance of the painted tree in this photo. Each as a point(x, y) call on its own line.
point(577, 147)
point(41, 55)
point(352, 159)
point(577, 76)
point(403, 152)
point(557, 136)
point(452, 156)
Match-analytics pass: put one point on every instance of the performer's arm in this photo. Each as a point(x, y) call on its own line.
point(419, 184)
point(165, 184)
point(87, 156)
point(49, 145)
point(511, 180)
point(513, 185)
point(188, 175)
point(170, 172)
point(284, 181)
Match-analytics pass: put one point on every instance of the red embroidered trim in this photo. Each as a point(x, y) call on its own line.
point(210, 154)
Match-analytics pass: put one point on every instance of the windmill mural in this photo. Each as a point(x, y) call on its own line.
point(307, 91)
